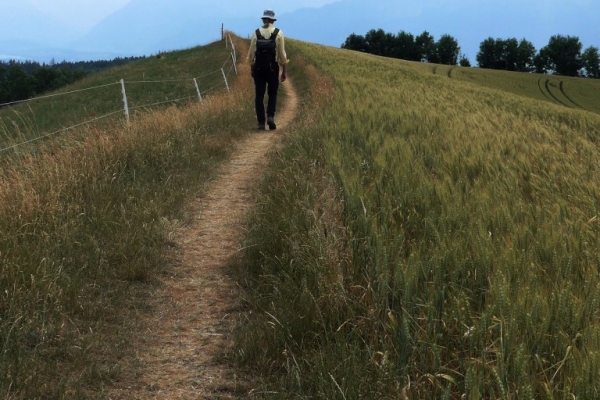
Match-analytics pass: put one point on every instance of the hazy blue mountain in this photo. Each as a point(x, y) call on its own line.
point(22, 50)
point(145, 27)
point(149, 26)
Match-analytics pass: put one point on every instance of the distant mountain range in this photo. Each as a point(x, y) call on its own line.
point(146, 27)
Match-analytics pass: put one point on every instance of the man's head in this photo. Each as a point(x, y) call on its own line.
point(268, 17)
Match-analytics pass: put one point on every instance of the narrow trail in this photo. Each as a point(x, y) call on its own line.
point(180, 354)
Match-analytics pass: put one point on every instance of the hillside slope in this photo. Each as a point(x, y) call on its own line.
point(150, 83)
point(575, 93)
point(430, 237)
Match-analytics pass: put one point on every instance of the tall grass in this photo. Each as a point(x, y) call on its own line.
point(426, 238)
point(85, 227)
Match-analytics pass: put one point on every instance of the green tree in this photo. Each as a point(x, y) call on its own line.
point(510, 54)
point(404, 47)
point(486, 56)
point(526, 56)
point(540, 64)
point(464, 61)
point(425, 48)
point(507, 54)
point(19, 85)
point(561, 56)
point(591, 62)
point(355, 42)
point(46, 79)
point(3, 88)
point(379, 42)
point(448, 50)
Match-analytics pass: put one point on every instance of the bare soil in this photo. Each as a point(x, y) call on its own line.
point(180, 354)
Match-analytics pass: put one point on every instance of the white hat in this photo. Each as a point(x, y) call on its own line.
point(269, 14)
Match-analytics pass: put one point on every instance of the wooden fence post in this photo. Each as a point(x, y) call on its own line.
point(225, 78)
point(198, 90)
point(125, 100)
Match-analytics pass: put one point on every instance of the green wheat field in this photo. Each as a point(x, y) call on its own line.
point(426, 232)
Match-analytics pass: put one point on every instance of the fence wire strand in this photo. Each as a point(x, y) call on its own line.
point(210, 89)
point(57, 94)
point(209, 74)
point(161, 102)
point(59, 131)
point(161, 81)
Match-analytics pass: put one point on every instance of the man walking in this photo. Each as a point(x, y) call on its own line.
point(267, 55)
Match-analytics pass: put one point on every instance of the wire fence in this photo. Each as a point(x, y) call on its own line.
point(227, 68)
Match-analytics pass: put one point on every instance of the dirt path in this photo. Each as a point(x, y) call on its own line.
point(180, 355)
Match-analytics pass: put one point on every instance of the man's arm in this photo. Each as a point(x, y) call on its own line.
point(283, 61)
point(251, 50)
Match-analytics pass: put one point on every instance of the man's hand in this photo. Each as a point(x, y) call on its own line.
point(284, 73)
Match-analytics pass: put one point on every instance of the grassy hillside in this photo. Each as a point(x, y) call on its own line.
point(157, 81)
point(417, 237)
point(427, 237)
point(85, 224)
point(575, 93)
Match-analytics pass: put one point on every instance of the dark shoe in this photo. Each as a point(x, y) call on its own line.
point(261, 127)
point(271, 123)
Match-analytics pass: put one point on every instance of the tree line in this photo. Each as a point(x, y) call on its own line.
point(563, 55)
point(22, 80)
point(406, 46)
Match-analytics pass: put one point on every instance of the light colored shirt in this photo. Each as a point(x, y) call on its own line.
point(266, 32)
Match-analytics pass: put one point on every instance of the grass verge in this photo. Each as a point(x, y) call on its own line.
point(85, 226)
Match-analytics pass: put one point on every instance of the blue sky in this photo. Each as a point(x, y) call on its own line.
point(82, 15)
point(79, 14)
point(63, 23)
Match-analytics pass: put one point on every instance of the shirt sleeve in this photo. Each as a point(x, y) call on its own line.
point(252, 49)
point(281, 54)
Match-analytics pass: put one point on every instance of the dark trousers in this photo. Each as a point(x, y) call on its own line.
point(266, 82)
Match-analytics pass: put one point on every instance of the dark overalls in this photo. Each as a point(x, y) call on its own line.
point(266, 80)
